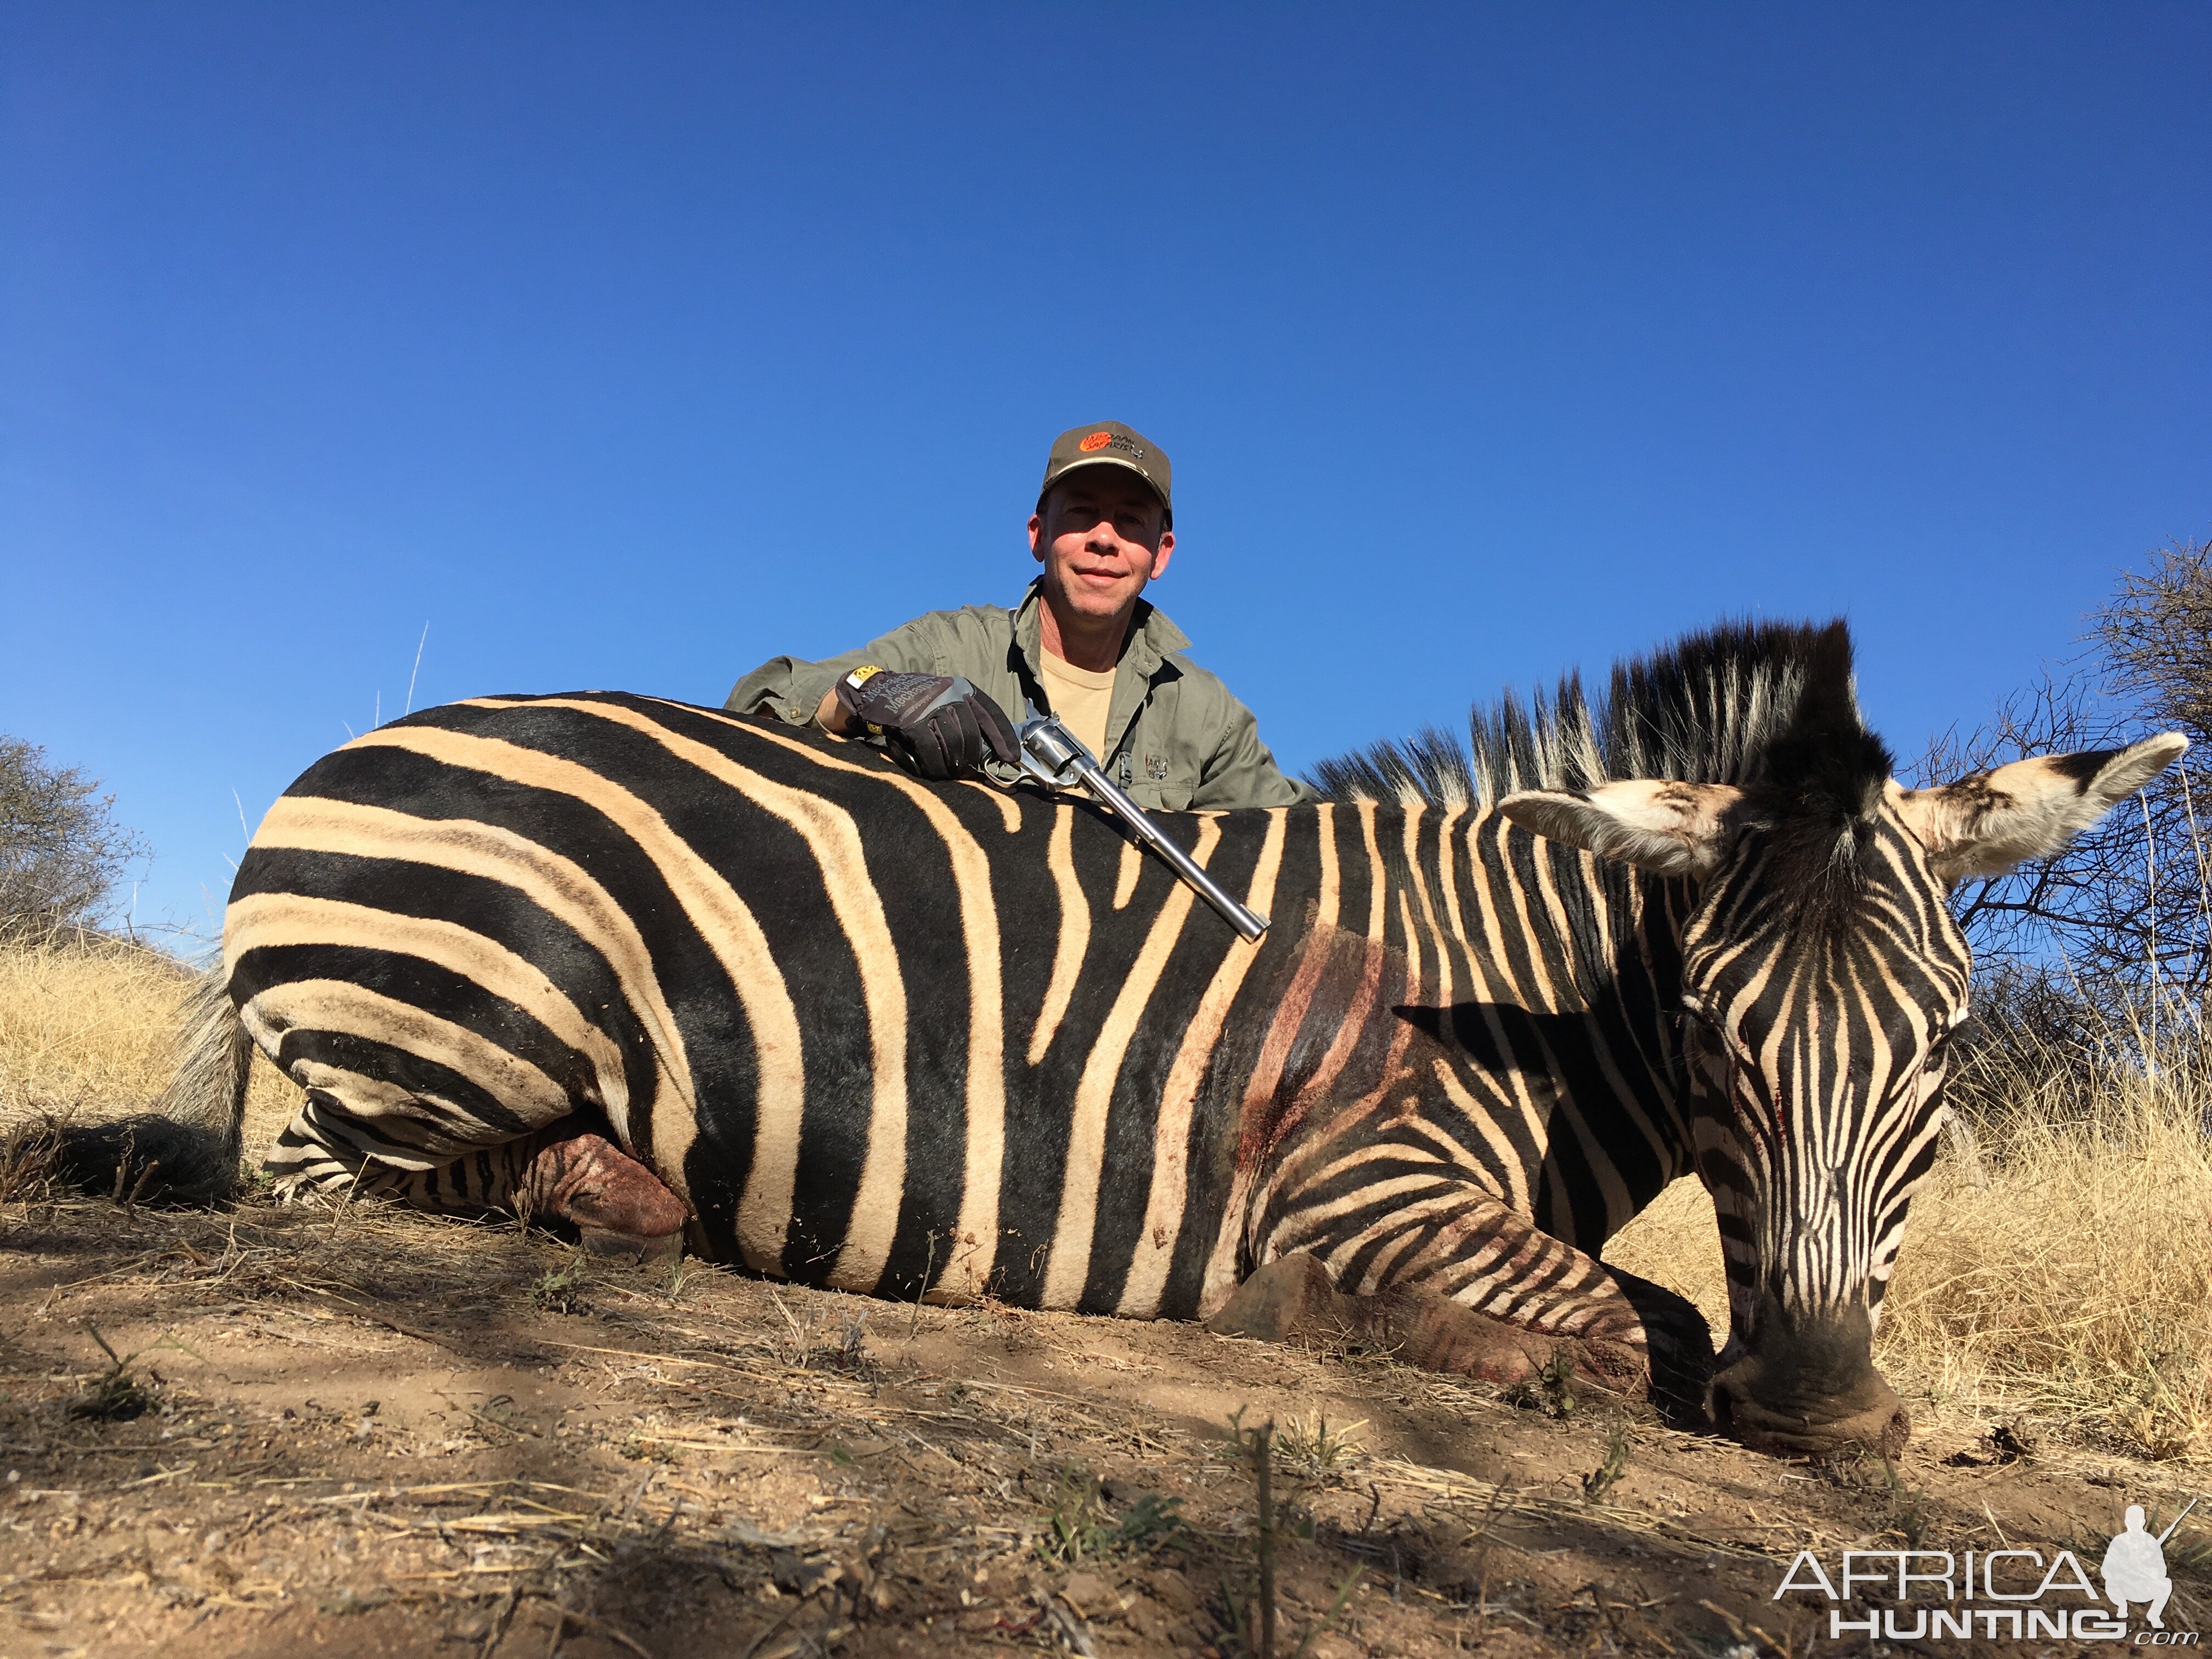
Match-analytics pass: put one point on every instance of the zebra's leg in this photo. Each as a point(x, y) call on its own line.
point(1486, 1295)
point(618, 1205)
point(566, 1171)
point(1293, 1300)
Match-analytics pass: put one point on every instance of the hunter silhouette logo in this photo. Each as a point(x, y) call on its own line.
point(2135, 1566)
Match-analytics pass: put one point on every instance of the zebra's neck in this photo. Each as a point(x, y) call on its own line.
point(1482, 999)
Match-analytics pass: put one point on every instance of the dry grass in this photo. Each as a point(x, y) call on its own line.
point(2075, 1282)
point(87, 1026)
point(1677, 1243)
point(2070, 1282)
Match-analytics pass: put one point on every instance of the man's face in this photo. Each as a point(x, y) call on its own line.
point(1099, 536)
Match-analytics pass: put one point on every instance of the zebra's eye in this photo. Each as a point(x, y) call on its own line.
point(1964, 1030)
point(1703, 1037)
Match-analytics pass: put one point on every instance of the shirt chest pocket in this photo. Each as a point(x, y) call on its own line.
point(1159, 780)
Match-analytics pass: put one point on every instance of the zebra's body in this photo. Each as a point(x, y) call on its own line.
point(910, 1039)
point(872, 1030)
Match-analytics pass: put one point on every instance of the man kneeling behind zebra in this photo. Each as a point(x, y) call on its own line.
point(665, 972)
point(1083, 644)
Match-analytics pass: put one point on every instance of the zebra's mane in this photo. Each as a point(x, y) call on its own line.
point(1751, 703)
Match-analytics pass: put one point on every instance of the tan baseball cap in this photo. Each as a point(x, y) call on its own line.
point(1108, 443)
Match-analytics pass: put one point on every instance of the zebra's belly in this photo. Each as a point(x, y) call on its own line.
point(1014, 1208)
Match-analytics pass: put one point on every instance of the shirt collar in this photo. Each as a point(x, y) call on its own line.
point(1152, 635)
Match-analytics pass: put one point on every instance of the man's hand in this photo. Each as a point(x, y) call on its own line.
point(937, 725)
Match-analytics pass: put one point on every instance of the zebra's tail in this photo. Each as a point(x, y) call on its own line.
point(185, 1150)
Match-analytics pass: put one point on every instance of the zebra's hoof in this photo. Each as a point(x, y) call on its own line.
point(638, 1250)
point(1291, 1298)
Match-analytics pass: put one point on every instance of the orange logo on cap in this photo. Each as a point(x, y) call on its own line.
point(1096, 441)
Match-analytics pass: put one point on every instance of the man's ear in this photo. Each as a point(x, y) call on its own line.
point(1036, 534)
point(1160, 556)
point(1667, 829)
point(1984, 824)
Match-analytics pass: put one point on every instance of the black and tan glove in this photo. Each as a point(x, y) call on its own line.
point(937, 725)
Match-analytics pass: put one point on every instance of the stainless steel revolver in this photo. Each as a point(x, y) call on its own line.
point(1056, 757)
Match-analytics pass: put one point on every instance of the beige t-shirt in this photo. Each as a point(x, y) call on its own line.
point(1081, 698)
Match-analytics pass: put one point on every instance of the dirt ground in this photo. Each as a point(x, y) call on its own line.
point(356, 1431)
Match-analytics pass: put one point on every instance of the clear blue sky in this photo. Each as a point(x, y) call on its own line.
point(629, 345)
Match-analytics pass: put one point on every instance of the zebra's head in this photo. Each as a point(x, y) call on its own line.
point(1822, 975)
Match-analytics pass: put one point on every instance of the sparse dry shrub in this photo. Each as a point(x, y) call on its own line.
point(2126, 911)
point(61, 849)
point(26, 1160)
point(2156, 635)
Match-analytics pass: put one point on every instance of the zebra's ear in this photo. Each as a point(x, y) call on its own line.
point(1668, 828)
point(1984, 824)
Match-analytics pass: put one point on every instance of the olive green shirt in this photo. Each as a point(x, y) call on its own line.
point(1176, 739)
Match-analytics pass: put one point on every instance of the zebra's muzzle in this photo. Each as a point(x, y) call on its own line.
point(1802, 1390)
